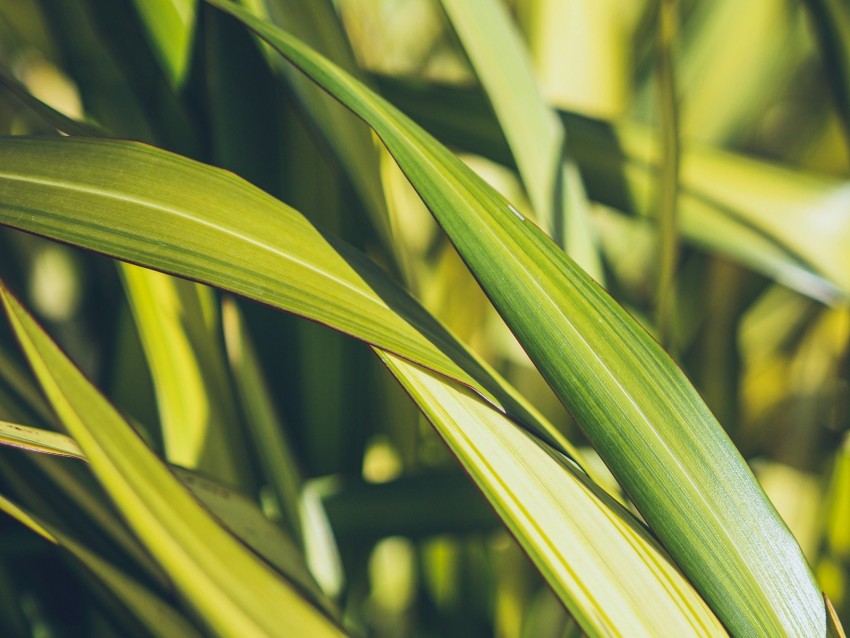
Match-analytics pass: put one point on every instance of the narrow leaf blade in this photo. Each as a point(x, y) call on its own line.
point(600, 562)
point(235, 592)
point(643, 416)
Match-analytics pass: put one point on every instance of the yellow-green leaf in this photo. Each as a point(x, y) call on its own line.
point(603, 565)
point(235, 592)
point(643, 416)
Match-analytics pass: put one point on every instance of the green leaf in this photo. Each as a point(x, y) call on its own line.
point(170, 25)
point(211, 226)
point(235, 592)
point(604, 566)
point(140, 204)
point(38, 440)
point(178, 326)
point(643, 416)
point(535, 134)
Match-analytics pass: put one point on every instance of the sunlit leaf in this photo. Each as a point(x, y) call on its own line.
point(170, 25)
point(205, 562)
point(645, 419)
point(601, 563)
point(534, 132)
point(147, 206)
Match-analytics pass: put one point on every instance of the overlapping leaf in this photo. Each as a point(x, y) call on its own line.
point(619, 583)
point(72, 222)
point(534, 132)
point(236, 593)
point(642, 414)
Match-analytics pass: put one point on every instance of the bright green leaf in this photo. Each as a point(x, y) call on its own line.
point(644, 417)
point(143, 205)
point(236, 593)
point(600, 562)
point(170, 25)
point(534, 132)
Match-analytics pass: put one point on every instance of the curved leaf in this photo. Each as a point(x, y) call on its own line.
point(236, 593)
point(645, 419)
point(144, 205)
point(608, 571)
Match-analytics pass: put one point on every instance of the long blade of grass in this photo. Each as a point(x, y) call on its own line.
point(38, 440)
point(643, 416)
point(147, 206)
point(49, 115)
point(600, 562)
point(535, 134)
point(235, 592)
point(211, 226)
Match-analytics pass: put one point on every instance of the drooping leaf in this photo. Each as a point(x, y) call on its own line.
point(147, 206)
point(602, 564)
point(236, 593)
point(644, 417)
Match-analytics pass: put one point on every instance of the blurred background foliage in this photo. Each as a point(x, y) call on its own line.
point(760, 320)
